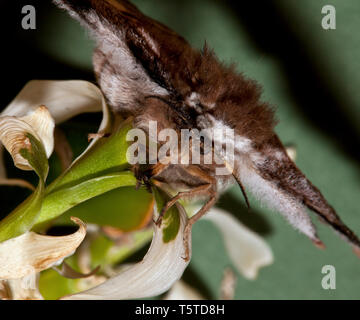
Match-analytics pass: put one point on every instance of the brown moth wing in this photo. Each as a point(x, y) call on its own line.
point(138, 59)
point(284, 174)
point(157, 48)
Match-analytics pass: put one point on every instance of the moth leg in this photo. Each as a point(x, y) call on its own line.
point(205, 208)
point(205, 187)
point(198, 191)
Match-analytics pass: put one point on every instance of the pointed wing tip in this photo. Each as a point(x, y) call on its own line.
point(356, 251)
point(352, 239)
point(318, 244)
point(281, 170)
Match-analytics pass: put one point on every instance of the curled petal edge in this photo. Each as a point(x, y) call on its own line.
point(31, 252)
point(14, 131)
point(160, 268)
point(63, 100)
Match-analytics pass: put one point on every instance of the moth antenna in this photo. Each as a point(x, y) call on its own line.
point(237, 179)
point(242, 188)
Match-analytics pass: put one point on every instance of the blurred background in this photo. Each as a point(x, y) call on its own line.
point(311, 76)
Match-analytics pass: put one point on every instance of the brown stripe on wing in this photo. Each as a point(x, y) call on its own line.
point(282, 171)
point(158, 49)
point(115, 11)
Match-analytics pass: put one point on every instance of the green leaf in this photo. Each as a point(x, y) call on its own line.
point(123, 208)
point(36, 156)
point(105, 252)
point(59, 202)
point(107, 155)
point(101, 168)
point(52, 285)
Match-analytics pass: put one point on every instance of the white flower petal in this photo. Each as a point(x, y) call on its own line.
point(182, 291)
point(31, 253)
point(247, 250)
point(13, 134)
point(43, 124)
point(64, 99)
point(161, 267)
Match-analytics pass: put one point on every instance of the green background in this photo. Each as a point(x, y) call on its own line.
point(311, 75)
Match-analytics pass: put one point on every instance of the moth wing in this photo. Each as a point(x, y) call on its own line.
point(275, 179)
point(135, 54)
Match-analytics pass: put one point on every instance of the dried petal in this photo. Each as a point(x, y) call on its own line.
point(25, 288)
point(14, 134)
point(31, 252)
point(63, 100)
point(68, 272)
point(43, 124)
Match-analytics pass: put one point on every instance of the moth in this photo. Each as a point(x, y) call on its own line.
point(148, 72)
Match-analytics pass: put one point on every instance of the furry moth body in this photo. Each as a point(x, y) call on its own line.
point(149, 72)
